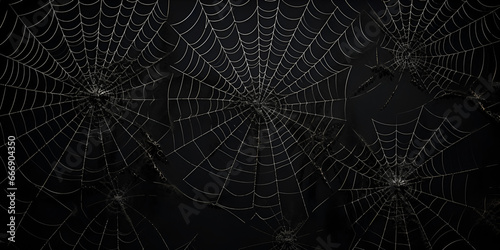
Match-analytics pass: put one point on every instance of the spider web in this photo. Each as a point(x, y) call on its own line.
point(284, 235)
point(78, 81)
point(242, 105)
point(442, 47)
point(256, 80)
point(409, 188)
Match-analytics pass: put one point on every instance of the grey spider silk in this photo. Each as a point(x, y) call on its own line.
point(242, 124)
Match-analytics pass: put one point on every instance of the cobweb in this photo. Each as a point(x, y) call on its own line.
point(79, 80)
point(409, 188)
point(257, 80)
point(442, 47)
point(284, 234)
point(119, 108)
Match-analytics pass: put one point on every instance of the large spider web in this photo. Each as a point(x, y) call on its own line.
point(257, 81)
point(78, 81)
point(410, 189)
point(243, 105)
point(442, 47)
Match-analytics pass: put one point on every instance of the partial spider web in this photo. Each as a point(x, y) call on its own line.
point(440, 47)
point(119, 212)
point(415, 186)
point(81, 83)
point(284, 234)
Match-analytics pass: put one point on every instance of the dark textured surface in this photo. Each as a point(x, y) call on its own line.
point(252, 124)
